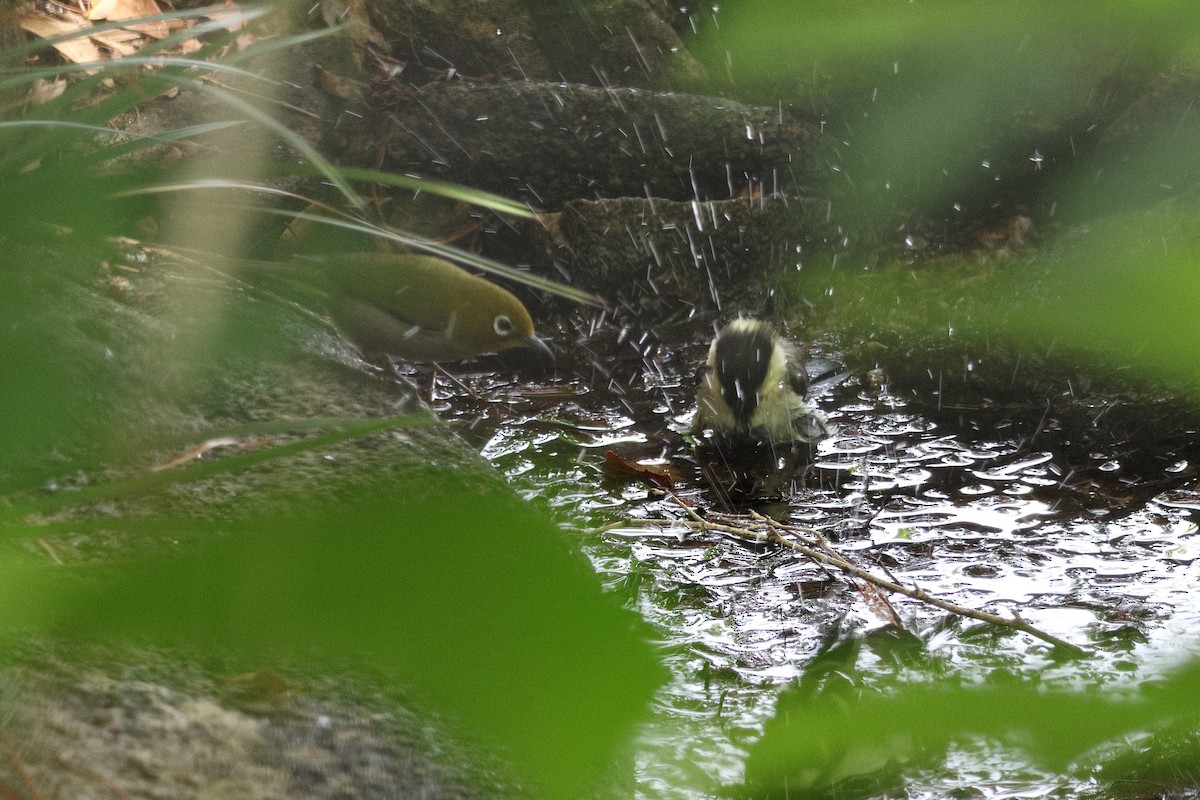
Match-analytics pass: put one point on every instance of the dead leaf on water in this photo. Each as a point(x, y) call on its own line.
point(879, 604)
point(660, 475)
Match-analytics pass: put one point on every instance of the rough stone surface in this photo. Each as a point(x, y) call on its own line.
point(666, 254)
point(162, 727)
point(550, 143)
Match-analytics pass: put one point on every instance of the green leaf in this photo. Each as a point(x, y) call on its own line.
point(819, 739)
point(1127, 294)
point(477, 602)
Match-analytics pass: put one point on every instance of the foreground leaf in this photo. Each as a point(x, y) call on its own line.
point(820, 740)
point(479, 605)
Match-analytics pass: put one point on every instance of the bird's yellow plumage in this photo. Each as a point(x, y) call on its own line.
point(423, 308)
point(415, 307)
point(753, 388)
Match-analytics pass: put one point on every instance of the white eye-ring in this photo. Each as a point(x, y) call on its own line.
point(502, 325)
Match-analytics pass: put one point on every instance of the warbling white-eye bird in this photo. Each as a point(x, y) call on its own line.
point(414, 307)
point(753, 389)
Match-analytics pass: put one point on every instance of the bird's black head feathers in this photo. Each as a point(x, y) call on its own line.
point(743, 357)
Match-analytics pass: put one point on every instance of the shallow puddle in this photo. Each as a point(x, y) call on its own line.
point(973, 514)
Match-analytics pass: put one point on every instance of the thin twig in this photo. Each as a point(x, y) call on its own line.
point(811, 543)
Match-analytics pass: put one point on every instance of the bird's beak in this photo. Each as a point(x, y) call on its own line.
point(534, 343)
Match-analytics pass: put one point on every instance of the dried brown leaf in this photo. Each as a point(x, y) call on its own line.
point(879, 604)
point(117, 10)
point(78, 50)
point(121, 42)
point(654, 474)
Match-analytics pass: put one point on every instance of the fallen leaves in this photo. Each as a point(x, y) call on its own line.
point(658, 475)
point(114, 10)
point(78, 50)
point(108, 30)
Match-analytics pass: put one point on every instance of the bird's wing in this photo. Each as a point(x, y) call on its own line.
point(412, 292)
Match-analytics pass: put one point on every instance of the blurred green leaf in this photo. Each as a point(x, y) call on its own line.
point(942, 107)
point(818, 739)
point(466, 595)
point(1126, 291)
point(763, 40)
point(477, 602)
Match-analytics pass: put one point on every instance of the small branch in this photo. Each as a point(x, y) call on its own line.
point(811, 543)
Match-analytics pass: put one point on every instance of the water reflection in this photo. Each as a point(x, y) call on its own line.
point(979, 520)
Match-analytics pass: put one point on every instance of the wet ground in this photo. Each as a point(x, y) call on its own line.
point(988, 510)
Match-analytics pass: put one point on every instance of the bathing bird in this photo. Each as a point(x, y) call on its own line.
point(753, 389)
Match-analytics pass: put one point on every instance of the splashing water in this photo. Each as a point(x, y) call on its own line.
point(978, 519)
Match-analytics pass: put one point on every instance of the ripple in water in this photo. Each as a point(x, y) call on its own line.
point(987, 524)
